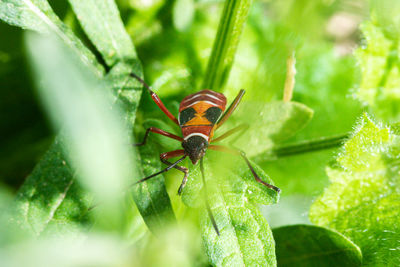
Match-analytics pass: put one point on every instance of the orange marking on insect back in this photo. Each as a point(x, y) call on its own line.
point(202, 106)
point(199, 119)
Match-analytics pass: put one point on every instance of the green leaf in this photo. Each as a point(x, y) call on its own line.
point(127, 94)
point(226, 41)
point(51, 196)
point(101, 21)
point(323, 83)
point(268, 124)
point(380, 69)
point(245, 237)
point(151, 197)
point(75, 100)
point(307, 245)
point(363, 200)
point(37, 15)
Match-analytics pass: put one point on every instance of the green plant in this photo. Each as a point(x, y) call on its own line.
point(79, 198)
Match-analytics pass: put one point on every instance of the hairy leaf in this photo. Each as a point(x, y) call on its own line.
point(307, 245)
point(380, 68)
point(363, 199)
point(102, 23)
point(37, 15)
point(245, 237)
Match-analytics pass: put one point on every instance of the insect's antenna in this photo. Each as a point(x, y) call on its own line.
point(157, 173)
point(206, 199)
point(142, 82)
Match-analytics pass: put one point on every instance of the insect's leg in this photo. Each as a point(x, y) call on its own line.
point(158, 131)
point(243, 155)
point(237, 129)
point(176, 153)
point(162, 171)
point(156, 99)
point(206, 199)
point(231, 108)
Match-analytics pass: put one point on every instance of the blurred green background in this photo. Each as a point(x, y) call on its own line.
point(173, 41)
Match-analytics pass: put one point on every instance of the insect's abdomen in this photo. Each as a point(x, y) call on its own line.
point(199, 112)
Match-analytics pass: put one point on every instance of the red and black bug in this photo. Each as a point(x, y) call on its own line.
point(200, 114)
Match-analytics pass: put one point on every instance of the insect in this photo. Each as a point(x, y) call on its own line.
point(200, 114)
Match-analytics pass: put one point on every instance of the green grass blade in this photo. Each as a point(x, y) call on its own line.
point(308, 245)
point(37, 15)
point(226, 41)
point(101, 21)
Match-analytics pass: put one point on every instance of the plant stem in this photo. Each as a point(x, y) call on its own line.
point(233, 18)
point(306, 147)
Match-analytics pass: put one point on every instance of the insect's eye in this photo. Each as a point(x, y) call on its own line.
point(186, 115)
point(212, 114)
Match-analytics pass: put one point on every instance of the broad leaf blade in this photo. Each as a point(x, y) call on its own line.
point(37, 15)
point(101, 21)
point(363, 200)
point(48, 193)
point(268, 124)
point(246, 238)
point(307, 245)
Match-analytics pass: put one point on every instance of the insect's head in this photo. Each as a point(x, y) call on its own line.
point(195, 147)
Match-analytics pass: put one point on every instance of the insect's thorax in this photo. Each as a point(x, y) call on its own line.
point(199, 112)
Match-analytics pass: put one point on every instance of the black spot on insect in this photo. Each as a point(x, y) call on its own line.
point(212, 114)
point(186, 115)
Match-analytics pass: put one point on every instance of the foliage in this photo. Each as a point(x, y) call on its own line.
point(314, 246)
point(78, 203)
point(379, 62)
point(362, 200)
